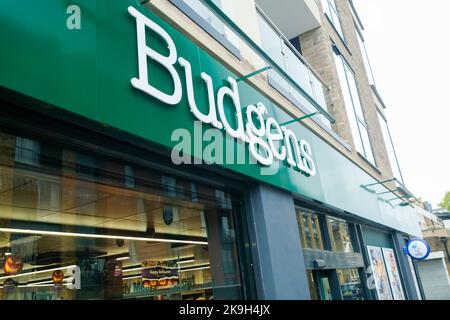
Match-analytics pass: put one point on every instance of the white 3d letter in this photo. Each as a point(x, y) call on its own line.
point(144, 51)
point(275, 138)
point(308, 161)
point(211, 117)
point(239, 132)
point(256, 141)
point(294, 157)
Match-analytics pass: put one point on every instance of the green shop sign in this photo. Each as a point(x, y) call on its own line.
point(118, 63)
point(266, 138)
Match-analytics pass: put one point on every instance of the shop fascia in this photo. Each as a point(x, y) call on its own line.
point(276, 141)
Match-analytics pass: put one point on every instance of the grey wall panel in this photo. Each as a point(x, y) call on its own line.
point(279, 262)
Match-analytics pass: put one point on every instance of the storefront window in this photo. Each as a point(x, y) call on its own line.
point(313, 288)
point(309, 227)
point(340, 235)
point(351, 285)
point(81, 226)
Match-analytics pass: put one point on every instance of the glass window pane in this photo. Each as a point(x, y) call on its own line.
point(351, 284)
point(365, 59)
point(336, 22)
point(313, 289)
point(326, 7)
point(330, 9)
point(333, 4)
point(27, 151)
point(85, 165)
point(354, 93)
point(348, 104)
point(324, 287)
point(390, 148)
point(316, 232)
point(163, 239)
point(340, 235)
point(309, 228)
point(129, 176)
point(367, 145)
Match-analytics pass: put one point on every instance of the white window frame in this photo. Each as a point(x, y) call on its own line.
point(387, 138)
point(365, 56)
point(367, 150)
point(329, 7)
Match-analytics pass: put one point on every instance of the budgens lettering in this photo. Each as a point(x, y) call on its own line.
point(268, 141)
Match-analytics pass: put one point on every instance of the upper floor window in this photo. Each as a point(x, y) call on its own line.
point(27, 151)
point(365, 57)
point(353, 107)
point(390, 148)
point(330, 9)
point(209, 22)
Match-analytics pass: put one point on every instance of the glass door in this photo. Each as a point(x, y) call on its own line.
point(319, 285)
point(324, 287)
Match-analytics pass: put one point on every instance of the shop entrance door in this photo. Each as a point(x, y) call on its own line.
point(320, 284)
point(323, 285)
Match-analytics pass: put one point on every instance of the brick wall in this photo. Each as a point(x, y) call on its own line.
point(317, 49)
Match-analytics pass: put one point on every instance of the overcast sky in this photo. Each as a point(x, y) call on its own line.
point(408, 42)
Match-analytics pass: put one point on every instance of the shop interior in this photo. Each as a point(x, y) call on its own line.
point(76, 225)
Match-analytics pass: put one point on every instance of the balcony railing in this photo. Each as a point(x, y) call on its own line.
point(289, 72)
point(279, 48)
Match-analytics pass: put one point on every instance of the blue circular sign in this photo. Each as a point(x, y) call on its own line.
point(418, 249)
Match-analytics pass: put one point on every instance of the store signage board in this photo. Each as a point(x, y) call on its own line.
point(89, 71)
point(418, 249)
point(159, 274)
point(98, 73)
point(262, 135)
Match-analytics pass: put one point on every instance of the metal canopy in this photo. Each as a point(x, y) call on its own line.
point(407, 199)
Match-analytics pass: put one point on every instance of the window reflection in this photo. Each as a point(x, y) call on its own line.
point(351, 285)
point(340, 235)
point(79, 226)
point(309, 227)
point(27, 151)
point(313, 289)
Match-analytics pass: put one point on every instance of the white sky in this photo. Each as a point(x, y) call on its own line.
point(408, 42)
